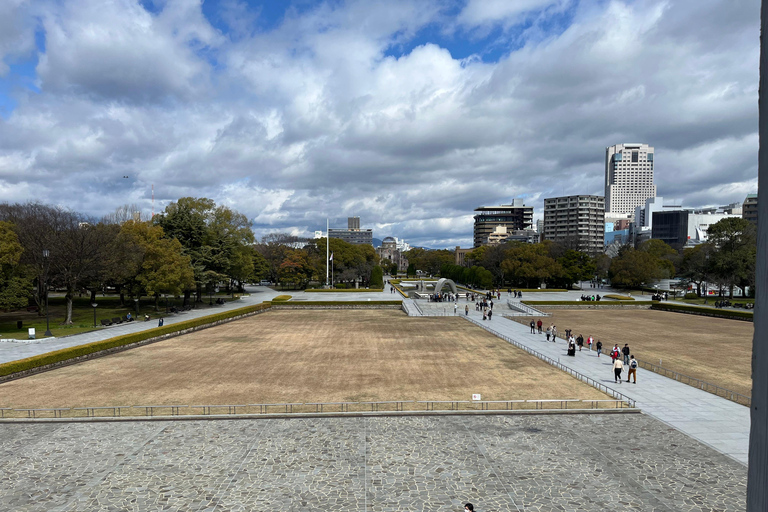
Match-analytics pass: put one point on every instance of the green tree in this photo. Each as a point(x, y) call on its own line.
point(632, 268)
point(696, 266)
point(163, 267)
point(212, 236)
point(664, 256)
point(531, 265)
point(14, 286)
point(377, 277)
point(576, 266)
point(734, 259)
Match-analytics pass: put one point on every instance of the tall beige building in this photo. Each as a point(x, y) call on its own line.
point(628, 177)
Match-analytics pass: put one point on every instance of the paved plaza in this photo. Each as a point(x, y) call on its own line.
point(519, 463)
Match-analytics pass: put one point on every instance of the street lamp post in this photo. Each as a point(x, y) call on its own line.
point(93, 304)
point(46, 254)
point(136, 301)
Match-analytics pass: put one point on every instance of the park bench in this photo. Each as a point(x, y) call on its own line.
point(117, 320)
point(106, 322)
point(188, 307)
point(126, 318)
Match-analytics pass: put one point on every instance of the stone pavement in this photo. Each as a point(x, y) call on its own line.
point(720, 423)
point(503, 463)
point(10, 351)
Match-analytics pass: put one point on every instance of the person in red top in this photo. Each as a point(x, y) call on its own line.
point(538, 324)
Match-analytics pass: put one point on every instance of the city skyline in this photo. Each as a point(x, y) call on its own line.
point(407, 114)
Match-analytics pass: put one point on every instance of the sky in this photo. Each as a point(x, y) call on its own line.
point(408, 114)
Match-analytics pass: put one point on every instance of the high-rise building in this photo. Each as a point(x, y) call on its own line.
point(628, 177)
point(577, 221)
point(353, 234)
point(749, 209)
point(514, 217)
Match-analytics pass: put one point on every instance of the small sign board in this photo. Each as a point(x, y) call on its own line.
point(31, 333)
point(476, 396)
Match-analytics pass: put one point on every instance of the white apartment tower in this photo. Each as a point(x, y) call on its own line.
point(628, 177)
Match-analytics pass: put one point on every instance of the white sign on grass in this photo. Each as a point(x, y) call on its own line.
point(476, 396)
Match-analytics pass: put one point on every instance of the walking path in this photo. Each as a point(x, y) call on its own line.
point(13, 351)
point(715, 421)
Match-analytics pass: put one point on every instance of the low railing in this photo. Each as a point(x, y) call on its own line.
point(407, 308)
point(680, 377)
point(524, 309)
point(592, 382)
point(259, 409)
point(418, 308)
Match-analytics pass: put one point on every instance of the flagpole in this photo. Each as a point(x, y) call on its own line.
point(326, 251)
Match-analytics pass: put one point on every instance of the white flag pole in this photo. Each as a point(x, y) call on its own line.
point(326, 251)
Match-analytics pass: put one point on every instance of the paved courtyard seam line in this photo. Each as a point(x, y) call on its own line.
point(248, 450)
point(98, 479)
point(636, 486)
point(481, 449)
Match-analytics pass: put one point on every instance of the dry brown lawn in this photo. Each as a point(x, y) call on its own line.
point(712, 349)
point(306, 356)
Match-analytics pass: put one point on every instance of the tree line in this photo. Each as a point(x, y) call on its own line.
point(727, 259)
point(192, 248)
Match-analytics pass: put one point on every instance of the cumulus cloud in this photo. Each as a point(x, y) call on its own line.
point(347, 108)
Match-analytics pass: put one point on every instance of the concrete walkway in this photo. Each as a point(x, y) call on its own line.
point(13, 351)
point(715, 421)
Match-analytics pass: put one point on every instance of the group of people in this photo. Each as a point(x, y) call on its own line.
point(486, 306)
point(443, 297)
point(620, 357)
point(660, 296)
point(518, 294)
point(590, 298)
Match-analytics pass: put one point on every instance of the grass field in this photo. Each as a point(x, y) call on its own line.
point(82, 314)
point(712, 349)
point(306, 356)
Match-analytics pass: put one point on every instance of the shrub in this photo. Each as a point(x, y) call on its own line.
point(282, 298)
point(343, 303)
point(618, 297)
point(66, 354)
point(330, 290)
point(687, 308)
point(377, 277)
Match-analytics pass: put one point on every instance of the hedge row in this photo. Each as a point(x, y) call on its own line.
point(343, 303)
point(584, 303)
point(339, 290)
point(618, 297)
point(723, 313)
point(66, 354)
point(282, 298)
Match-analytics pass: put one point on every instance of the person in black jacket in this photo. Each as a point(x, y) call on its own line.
point(599, 347)
point(625, 351)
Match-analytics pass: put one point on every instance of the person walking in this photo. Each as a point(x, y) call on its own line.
point(455, 308)
point(632, 370)
point(617, 367)
point(490, 314)
point(539, 324)
point(533, 327)
point(466, 310)
point(598, 346)
point(625, 351)
point(615, 352)
point(549, 332)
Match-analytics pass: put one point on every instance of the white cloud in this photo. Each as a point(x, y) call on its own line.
point(315, 118)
